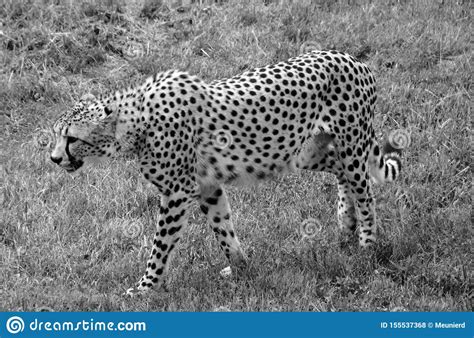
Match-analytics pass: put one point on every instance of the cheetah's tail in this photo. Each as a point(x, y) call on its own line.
point(385, 165)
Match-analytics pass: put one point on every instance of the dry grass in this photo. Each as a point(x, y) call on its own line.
point(67, 243)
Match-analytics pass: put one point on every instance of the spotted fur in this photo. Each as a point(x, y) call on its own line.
point(314, 112)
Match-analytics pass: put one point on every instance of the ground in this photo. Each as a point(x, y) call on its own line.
point(71, 243)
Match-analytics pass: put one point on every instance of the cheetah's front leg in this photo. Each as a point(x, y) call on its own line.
point(173, 218)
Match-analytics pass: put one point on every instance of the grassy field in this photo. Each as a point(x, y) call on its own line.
point(72, 243)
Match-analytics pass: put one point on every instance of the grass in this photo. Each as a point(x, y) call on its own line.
point(77, 243)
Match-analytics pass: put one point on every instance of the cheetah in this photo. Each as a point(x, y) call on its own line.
point(314, 111)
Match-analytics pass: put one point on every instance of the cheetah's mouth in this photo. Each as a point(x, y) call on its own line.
point(73, 166)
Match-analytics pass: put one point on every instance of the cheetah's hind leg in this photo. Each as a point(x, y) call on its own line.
point(215, 205)
point(320, 154)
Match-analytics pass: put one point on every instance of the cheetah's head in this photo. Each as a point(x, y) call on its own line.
point(85, 132)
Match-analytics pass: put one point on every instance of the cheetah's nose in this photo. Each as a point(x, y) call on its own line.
point(56, 160)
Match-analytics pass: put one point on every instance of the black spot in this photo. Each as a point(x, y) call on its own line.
point(173, 230)
point(212, 201)
point(204, 208)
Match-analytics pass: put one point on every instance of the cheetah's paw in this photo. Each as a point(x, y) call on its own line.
point(135, 292)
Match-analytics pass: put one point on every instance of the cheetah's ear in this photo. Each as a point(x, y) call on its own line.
point(109, 111)
point(107, 119)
